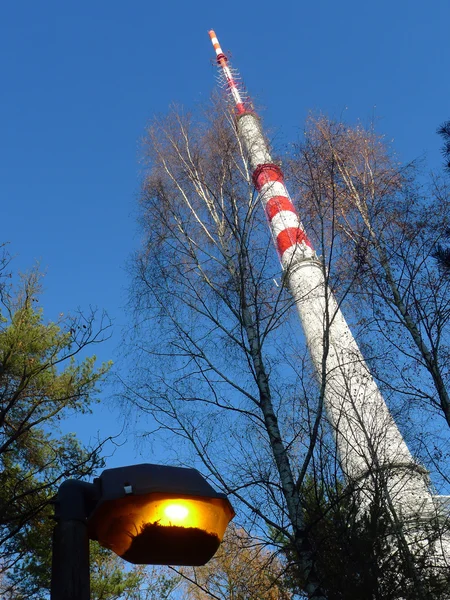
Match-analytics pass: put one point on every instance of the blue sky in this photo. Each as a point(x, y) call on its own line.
point(81, 80)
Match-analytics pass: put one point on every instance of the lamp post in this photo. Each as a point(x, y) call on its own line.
point(146, 514)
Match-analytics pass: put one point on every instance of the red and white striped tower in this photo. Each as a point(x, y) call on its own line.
point(369, 442)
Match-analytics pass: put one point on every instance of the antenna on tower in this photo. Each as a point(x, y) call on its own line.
point(229, 78)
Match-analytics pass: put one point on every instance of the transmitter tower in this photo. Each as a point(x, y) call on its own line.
point(370, 445)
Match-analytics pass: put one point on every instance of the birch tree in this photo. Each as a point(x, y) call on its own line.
point(223, 378)
point(386, 224)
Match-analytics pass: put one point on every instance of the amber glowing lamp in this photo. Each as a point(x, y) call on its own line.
point(153, 514)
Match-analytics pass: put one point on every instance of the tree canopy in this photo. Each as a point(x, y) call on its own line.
point(42, 381)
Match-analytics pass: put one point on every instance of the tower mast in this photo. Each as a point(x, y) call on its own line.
point(369, 443)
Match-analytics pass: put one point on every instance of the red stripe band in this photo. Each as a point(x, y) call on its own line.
point(289, 237)
point(277, 204)
point(265, 174)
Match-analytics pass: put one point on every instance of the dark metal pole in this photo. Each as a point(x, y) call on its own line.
point(70, 562)
point(70, 559)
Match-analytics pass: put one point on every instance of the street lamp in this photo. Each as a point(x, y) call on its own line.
point(147, 514)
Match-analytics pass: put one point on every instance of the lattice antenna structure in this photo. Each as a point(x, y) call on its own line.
point(371, 447)
point(229, 79)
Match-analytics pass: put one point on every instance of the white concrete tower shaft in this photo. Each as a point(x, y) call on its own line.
point(369, 443)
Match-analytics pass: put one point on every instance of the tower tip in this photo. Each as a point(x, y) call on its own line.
point(216, 45)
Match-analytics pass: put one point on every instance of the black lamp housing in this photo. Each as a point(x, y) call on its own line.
point(155, 514)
